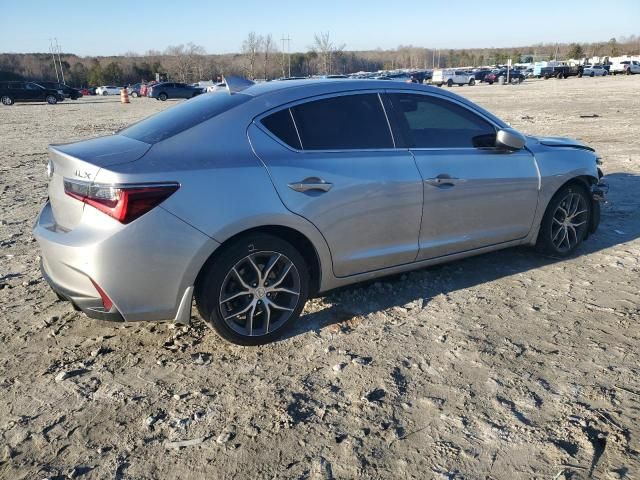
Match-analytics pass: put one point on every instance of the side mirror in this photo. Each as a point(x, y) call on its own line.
point(510, 139)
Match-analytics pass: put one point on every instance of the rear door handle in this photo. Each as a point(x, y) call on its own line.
point(311, 183)
point(443, 180)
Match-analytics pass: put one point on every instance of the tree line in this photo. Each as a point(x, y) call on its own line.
point(260, 58)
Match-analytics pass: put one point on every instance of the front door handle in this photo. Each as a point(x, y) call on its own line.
point(443, 180)
point(311, 183)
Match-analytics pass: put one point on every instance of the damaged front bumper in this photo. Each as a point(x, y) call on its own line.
point(598, 195)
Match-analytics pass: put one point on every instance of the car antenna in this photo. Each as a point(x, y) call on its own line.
point(237, 84)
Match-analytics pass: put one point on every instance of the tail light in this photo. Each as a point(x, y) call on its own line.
point(125, 203)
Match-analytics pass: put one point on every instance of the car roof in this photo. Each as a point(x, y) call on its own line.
point(320, 86)
point(274, 93)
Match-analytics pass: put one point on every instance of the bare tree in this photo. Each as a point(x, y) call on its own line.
point(251, 48)
point(268, 47)
point(182, 60)
point(326, 51)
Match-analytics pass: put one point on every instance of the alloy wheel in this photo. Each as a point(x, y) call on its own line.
point(259, 293)
point(569, 222)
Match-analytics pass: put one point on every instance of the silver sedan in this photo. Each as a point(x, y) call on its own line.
point(254, 198)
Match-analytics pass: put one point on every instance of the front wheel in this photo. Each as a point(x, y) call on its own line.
point(254, 290)
point(566, 222)
point(51, 100)
point(134, 95)
point(6, 100)
point(472, 82)
point(449, 83)
point(163, 96)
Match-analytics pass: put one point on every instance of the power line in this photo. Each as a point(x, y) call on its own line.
point(288, 40)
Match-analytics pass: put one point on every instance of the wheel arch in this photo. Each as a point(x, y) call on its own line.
point(296, 238)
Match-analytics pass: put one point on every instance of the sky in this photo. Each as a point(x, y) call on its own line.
point(104, 28)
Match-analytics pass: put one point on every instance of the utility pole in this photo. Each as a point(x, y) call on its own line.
point(55, 65)
point(60, 61)
point(288, 40)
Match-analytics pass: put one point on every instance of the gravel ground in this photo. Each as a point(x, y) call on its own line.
point(506, 365)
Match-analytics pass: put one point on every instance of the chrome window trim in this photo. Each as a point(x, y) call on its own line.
point(393, 138)
point(257, 120)
point(295, 125)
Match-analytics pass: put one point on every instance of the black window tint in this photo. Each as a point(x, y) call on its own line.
point(345, 122)
point(281, 125)
point(183, 116)
point(429, 122)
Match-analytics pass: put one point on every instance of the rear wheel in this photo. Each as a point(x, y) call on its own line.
point(472, 82)
point(6, 100)
point(592, 74)
point(449, 83)
point(134, 94)
point(252, 292)
point(566, 221)
point(163, 96)
point(51, 99)
point(104, 93)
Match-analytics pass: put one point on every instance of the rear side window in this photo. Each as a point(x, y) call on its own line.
point(349, 122)
point(428, 122)
point(183, 116)
point(281, 125)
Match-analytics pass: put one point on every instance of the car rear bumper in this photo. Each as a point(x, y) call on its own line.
point(146, 269)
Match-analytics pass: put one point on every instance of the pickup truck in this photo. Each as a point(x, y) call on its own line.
point(626, 67)
point(559, 71)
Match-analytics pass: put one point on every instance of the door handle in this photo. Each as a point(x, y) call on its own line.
point(311, 183)
point(443, 180)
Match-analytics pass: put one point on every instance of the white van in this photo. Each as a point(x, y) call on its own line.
point(449, 77)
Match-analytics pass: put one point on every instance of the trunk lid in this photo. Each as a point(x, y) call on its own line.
point(82, 161)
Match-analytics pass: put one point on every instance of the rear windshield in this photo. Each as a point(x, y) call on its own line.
point(188, 114)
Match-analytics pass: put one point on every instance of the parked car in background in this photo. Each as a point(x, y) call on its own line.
point(166, 90)
point(253, 201)
point(85, 92)
point(108, 90)
point(12, 92)
point(594, 71)
point(625, 67)
point(66, 90)
point(216, 87)
point(515, 76)
point(134, 90)
point(480, 75)
point(450, 77)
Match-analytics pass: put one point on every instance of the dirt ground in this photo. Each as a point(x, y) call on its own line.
point(507, 365)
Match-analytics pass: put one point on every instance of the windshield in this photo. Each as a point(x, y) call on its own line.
point(177, 119)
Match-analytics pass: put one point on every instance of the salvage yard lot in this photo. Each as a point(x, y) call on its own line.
point(506, 365)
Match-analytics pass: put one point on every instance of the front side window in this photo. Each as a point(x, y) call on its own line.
point(424, 121)
point(348, 122)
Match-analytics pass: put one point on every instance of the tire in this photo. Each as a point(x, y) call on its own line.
point(449, 83)
point(592, 74)
point(235, 270)
point(105, 93)
point(552, 232)
point(490, 82)
point(163, 97)
point(134, 95)
point(51, 99)
point(472, 82)
point(6, 100)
